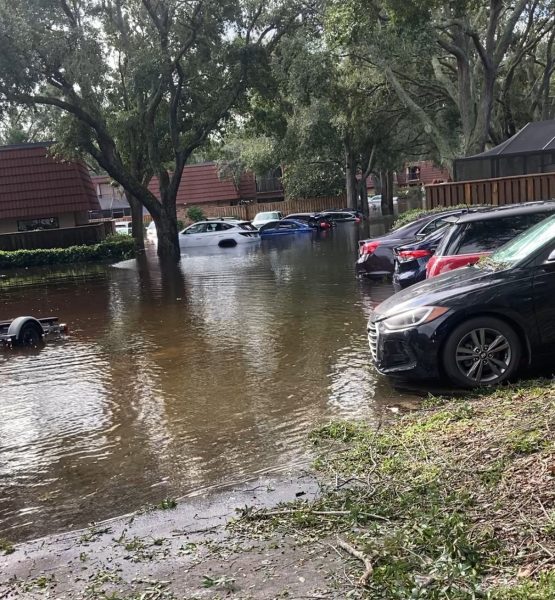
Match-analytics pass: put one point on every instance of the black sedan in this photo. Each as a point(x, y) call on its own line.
point(476, 325)
point(376, 255)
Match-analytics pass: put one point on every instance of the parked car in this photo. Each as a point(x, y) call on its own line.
point(284, 227)
point(341, 216)
point(314, 220)
point(124, 227)
point(410, 260)
point(218, 233)
point(355, 211)
point(262, 218)
point(477, 325)
point(376, 255)
point(375, 202)
point(475, 234)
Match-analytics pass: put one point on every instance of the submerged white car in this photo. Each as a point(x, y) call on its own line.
point(262, 218)
point(224, 234)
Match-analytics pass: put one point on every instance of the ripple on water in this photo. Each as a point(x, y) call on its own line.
point(175, 380)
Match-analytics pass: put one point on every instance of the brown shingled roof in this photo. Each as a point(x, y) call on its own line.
point(200, 183)
point(34, 185)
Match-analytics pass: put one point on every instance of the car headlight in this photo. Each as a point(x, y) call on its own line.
point(413, 317)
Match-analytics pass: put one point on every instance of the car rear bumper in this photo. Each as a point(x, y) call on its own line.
point(370, 265)
point(404, 279)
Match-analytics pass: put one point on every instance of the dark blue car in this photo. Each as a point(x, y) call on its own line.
point(284, 227)
point(410, 260)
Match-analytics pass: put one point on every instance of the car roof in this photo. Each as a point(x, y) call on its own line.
point(216, 221)
point(486, 214)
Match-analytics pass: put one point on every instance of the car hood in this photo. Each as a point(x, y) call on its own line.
point(437, 291)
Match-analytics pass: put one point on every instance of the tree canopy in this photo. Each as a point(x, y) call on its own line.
point(140, 84)
point(330, 90)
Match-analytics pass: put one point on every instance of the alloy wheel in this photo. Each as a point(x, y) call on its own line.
point(483, 355)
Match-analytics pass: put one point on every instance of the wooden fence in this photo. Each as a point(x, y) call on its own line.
point(504, 190)
point(57, 238)
point(248, 211)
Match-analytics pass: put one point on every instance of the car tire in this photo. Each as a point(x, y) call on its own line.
point(227, 244)
point(29, 336)
point(482, 351)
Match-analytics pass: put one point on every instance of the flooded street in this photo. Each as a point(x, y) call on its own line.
point(173, 382)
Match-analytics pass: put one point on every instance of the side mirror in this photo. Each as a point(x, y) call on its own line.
point(551, 257)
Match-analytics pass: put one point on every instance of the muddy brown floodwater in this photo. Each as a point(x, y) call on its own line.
point(175, 381)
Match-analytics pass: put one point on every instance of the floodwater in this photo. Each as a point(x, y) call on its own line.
point(174, 381)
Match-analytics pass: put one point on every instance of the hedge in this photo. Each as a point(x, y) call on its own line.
point(114, 248)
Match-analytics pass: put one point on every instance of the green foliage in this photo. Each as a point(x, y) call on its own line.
point(242, 152)
point(437, 501)
point(6, 547)
point(527, 442)
point(196, 214)
point(309, 180)
point(541, 589)
point(167, 504)
point(114, 248)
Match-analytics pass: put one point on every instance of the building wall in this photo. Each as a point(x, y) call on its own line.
point(65, 220)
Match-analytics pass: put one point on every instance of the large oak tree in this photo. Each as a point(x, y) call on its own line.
point(141, 84)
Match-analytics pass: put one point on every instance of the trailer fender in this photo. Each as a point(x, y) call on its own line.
point(17, 325)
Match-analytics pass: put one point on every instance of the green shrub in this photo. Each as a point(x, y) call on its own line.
point(195, 214)
point(418, 213)
point(114, 248)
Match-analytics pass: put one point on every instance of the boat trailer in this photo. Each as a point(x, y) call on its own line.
point(29, 331)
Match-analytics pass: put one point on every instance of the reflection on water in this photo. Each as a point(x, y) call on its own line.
point(178, 378)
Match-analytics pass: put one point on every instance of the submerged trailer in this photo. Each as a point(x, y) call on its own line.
point(29, 331)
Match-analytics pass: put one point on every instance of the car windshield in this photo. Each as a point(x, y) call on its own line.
point(526, 243)
point(267, 215)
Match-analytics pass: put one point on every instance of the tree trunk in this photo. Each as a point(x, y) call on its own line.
point(387, 193)
point(363, 193)
point(350, 176)
point(166, 231)
point(137, 221)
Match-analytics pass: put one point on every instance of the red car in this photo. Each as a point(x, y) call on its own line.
point(475, 234)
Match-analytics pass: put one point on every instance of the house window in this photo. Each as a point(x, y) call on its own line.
point(37, 224)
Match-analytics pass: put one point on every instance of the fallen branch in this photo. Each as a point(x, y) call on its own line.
point(369, 568)
point(336, 513)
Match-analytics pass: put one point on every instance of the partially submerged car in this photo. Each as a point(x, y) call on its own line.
point(284, 227)
point(29, 331)
point(314, 220)
point(225, 234)
point(476, 325)
point(375, 258)
point(342, 216)
point(262, 218)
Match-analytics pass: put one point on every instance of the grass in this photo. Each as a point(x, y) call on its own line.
point(6, 547)
point(456, 501)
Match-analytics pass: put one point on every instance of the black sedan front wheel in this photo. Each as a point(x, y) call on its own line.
point(482, 351)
